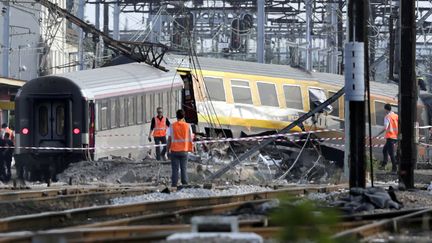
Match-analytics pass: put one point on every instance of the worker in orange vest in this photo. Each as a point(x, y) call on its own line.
point(158, 127)
point(6, 129)
point(391, 135)
point(179, 145)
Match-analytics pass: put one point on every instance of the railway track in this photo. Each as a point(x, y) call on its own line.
point(150, 227)
point(10, 194)
point(405, 219)
point(170, 211)
point(155, 220)
point(64, 201)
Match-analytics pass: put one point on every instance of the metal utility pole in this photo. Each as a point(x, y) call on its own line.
point(308, 4)
point(340, 34)
point(105, 25)
point(116, 18)
point(6, 35)
point(408, 93)
point(97, 16)
point(391, 47)
point(332, 40)
point(355, 60)
point(260, 30)
point(81, 36)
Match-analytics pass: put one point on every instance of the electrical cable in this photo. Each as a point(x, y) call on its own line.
point(296, 160)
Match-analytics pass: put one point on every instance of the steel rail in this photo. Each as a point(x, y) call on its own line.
point(63, 191)
point(71, 217)
point(384, 225)
point(175, 217)
point(64, 202)
point(125, 234)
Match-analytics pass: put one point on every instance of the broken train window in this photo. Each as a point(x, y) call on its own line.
point(316, 98)
point(335, 105)
point(379, 113)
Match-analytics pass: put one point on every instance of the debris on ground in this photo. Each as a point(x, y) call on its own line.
point(190, 193)
point(361, 199)
point(282, 161)
point(119, 171)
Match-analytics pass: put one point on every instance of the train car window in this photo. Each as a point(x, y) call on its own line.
point(122, 112)
point(317, 97)
point(156, 101)
point(174, 103)
point(147, 108)
point(165, 102)
point(139, 110)
point(335, 105)
point(267, 94)
point(60, 120)
point(131, 111)
point(113, 115)
point(170, 104)
point(241, 92)
point(43, 120)
point(104, 115)
point(293, 97)
point(215, 88)
point(379, 113)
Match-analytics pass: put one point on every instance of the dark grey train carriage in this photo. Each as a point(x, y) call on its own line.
point(89, 111)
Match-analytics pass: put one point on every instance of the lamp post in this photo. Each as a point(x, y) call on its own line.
point(20, 67)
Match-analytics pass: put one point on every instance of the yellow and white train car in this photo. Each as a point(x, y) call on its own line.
point(252, 98)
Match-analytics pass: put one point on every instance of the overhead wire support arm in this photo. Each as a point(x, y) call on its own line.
point(268, 141)
point(148, 52)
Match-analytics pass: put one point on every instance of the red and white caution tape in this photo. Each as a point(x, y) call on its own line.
point(286, 137)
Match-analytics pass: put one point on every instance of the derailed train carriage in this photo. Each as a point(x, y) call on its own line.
point(85, 112)
point(251, 98)
point(82, 110)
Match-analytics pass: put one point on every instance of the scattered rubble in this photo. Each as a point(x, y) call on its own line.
point(117, 171)
point(368, 199)
point(190, 193)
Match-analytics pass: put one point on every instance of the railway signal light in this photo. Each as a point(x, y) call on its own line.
point(76, 131)
point(25, 131)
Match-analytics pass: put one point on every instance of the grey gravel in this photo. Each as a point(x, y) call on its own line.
point(190, 193)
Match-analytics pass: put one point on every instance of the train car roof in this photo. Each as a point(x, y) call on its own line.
point(122, 79)
point(280, 71)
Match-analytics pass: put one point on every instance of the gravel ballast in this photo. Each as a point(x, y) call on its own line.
point(189, 193)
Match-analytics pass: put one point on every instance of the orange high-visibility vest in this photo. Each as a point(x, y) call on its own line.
point(11, 134)
point(160, 127)
point(392, 130)
point(181, 137)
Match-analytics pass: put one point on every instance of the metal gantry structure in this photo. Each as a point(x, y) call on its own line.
point(305, 33)
point(142, 51)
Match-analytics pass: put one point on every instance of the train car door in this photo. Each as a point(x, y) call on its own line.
point(51, 123)
point(188, 98)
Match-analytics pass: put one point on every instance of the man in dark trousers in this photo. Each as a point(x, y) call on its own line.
point(391, 130)
point(180, 138)
point(8, 153)
point(158, 128)
point(3, 176)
